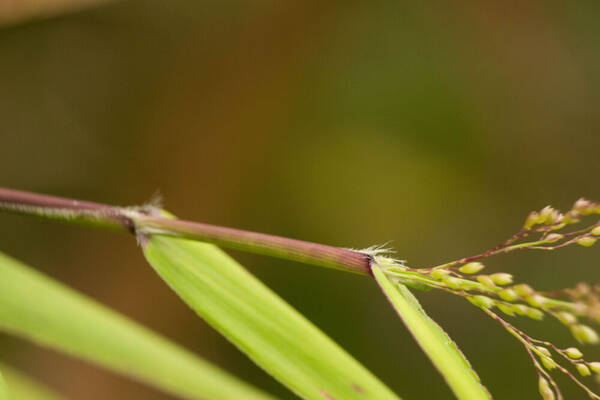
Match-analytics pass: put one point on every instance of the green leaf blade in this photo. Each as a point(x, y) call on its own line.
point(47, 312)
point(436, 343)
point(256, 320)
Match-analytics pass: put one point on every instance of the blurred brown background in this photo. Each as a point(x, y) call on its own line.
point(436, 126)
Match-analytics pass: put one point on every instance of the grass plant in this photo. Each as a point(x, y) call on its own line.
point(271, 332)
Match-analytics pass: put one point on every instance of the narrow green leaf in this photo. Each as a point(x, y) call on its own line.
point(23, 387)
point(35, 306)
point(260, 323)
point(436, 343)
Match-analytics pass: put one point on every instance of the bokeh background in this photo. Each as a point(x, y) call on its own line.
point(436, 126)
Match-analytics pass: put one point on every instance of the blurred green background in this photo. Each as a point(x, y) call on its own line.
point(436, 126)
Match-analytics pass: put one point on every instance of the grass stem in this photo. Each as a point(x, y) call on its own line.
point(145, 221)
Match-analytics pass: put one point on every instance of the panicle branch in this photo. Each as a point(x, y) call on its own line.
point(545, 223)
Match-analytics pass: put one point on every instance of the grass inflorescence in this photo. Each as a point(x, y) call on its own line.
point(496, 294)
